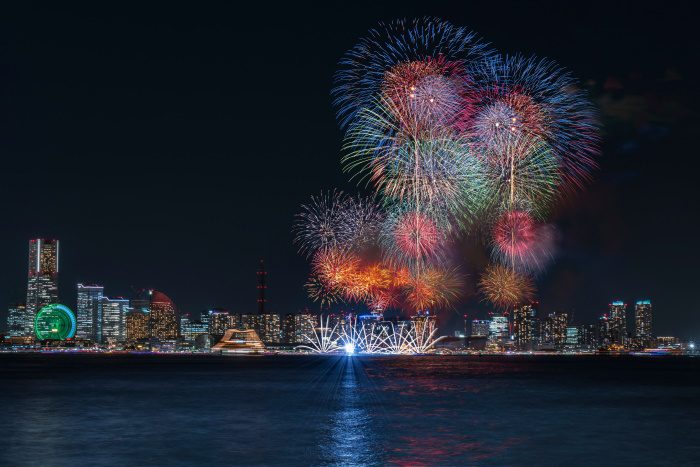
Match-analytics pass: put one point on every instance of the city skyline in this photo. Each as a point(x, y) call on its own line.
point(103, 320)
point(183, 221)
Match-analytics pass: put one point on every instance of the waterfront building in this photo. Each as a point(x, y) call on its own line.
point(113, 327)
point(219, 321)
point(288, 334)
point(480, 327)
point(55, 322)
point(270, 328)
point(642, 323)
point(249, 321)
point(136, 325)
point(553, 331)
point(42, 279)
point(617, 317)
point(304, 325)
point(524, 320)
point(572, 341)
point(667, 342)
point(587, 337)
point(16, 316)
point(605, 334)
point(191, 329)
point(163, 324)
point(498, 331)
point(239, 341)
point(89, 311)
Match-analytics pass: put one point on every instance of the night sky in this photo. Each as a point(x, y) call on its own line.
point(169, 147)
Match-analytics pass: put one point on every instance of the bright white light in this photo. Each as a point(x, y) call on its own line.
point(349, 348)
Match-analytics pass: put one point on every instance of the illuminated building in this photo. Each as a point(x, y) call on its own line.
point(618, 322)
point(89, 312)
point(219, 321)
point(16, 316)
point(288, 335)
point(480, 327)
point(553, 331)
point(572, 341)
point(498, 331)
point(524, 327)
point(42, 281)
point(666, 342)
point(136, 325)
point(642, 323)
point(114, 311)
point(162, 317)
point(304, 325)
point(191, 329)
point(239, 341)
point(605, 336)
point(249, 321)
point(270, 328)
point(55, 322)
point(587, 337)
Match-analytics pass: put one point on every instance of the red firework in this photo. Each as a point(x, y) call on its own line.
point(515, 233)
point(416, 235)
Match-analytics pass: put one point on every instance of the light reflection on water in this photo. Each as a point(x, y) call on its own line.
point(179, 410)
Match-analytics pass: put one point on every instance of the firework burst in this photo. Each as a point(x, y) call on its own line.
point(504, 287)
point(521, 243)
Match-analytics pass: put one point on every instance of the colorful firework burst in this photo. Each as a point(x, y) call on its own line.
point(504, 287)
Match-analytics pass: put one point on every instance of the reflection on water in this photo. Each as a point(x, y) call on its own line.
point(192, 410)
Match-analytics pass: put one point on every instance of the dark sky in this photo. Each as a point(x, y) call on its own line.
point(170, 146)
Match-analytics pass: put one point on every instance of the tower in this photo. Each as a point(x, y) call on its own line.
point(42, 279)
point(162, 320)
point(618, 322)
point(89, 311)
point(261, 288)
point(642, 323)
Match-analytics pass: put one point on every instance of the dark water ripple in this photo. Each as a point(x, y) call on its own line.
point(293, 410)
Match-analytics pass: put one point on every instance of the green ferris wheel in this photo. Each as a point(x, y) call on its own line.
point(54, 321)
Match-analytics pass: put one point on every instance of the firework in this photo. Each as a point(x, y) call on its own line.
point(319, 224)
point(521, 243)
point(433, 288)
point(504, 287)
point(411, 237)
point(535, 98)
point(399, 55)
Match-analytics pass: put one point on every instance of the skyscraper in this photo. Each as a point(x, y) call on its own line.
point(136, 324)
point(642, 323)
point(480, 327)
point(618, 322)
point(524, 327)
point(163, 321)
point(113, 328)
point(553, 330)
point(89, 312)
point(42, 281)
point(16, 316)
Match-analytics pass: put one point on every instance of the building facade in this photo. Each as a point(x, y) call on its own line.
point(16, 316)
point(617, 317)
point(136, 326)
point(89, 311)
point(163, 322)
point(42, 279)
point(524, 322)
point(113, 327)
point(642, 323)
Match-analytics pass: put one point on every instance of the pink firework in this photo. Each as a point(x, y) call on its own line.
point(416, 235)
point(522, 243)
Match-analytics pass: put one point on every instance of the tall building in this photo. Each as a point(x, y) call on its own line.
point(219, 321)
point(304, 325)
point(553, 330)
point(270, 328)
point(605, 335)
point(480, 327)
point(524, 327)
point(573, 338)
point(190, 329)
point(642, 323)
point(89, 311)
point(163, 323)
point(498, 330)
point(42, 280)
point(113, 327)
point(136, 325)
point(288, 334)
point(587, 337)
point(618, 322)
point(16, 316)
